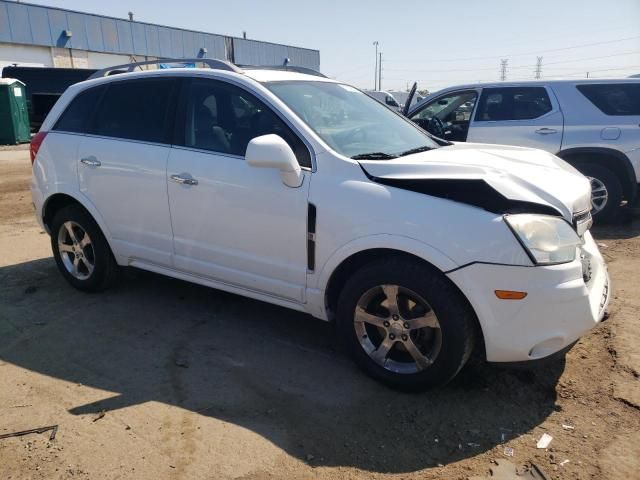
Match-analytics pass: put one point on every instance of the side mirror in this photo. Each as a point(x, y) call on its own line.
point(271, 151)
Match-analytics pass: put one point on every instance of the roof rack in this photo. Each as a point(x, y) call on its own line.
point(285, 68)
point(130, 67)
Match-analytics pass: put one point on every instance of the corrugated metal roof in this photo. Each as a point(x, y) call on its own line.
point(46, 26)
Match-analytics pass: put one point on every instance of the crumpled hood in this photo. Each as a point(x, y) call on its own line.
point(517, 173)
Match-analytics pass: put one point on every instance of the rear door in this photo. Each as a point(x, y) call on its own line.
point(122, 164)
point(234, 223)
point(526, 116)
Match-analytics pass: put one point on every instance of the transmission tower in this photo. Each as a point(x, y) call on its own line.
point(503, 69)
point(538, 68)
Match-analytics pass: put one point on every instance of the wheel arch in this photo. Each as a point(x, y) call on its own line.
point(341, 273)
point(613, 159)
point(59, 200)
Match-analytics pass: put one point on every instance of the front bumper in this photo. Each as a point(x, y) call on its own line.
point(563, 302)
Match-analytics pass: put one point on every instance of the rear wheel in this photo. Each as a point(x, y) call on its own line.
point(81, 252)
point(606, 190)
point(405, 324)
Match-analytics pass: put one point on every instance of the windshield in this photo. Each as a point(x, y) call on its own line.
point(351, 122)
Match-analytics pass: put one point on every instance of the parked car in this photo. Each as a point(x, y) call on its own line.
point(385, 98)
point(592, 124)
point(306, 193)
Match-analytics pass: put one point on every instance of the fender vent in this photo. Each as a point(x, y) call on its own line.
point(311, 237)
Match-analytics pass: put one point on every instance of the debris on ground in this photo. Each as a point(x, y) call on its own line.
point(309, 457)
point(544, 441)
point(564, 462)
point(568, 427)
point(99, 416)
point(53, 428)
point(508, 451)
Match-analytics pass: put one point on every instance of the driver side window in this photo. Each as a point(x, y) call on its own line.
point(224, 118)
point(455, 107)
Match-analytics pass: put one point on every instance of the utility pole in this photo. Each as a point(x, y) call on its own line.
point(380, 72)
point(375, 71)
point(587, 74)
point(538, 68)
point(503, 69)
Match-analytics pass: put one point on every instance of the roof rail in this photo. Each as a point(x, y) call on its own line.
point(130, 67)
point(285, 68)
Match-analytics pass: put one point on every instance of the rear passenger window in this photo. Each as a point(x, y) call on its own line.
point(614, 99)
point(77, 116)
point(135, 110)
point(224, 118)
point(513, 103)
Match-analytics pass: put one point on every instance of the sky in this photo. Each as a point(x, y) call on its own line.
point(437, 44)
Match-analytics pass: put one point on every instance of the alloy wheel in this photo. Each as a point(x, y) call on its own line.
point(599, 194)
point(397, 329)
point(76, 250)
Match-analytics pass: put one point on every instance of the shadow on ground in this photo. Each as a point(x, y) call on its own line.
point(276, 372)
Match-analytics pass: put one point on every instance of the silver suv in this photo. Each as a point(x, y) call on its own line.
point(592, 124)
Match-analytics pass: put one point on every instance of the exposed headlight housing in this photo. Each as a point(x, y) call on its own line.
point(547, 240)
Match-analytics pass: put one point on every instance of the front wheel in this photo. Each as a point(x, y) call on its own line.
point(405, 324)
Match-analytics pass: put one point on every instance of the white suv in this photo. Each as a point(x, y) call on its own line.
point(304, 192)
point(592, 124)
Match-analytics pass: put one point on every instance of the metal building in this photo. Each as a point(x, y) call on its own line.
point(34, 35)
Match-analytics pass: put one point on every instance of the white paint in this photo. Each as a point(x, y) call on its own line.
point(24, 55)
point(104, 60)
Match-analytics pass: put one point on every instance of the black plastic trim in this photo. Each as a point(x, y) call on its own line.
point(311, 237)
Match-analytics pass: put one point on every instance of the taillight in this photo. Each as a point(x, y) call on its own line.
point(36, 141)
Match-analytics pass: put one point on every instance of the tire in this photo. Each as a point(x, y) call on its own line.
point(611, 183)
point(455, 318)
point(96, 268)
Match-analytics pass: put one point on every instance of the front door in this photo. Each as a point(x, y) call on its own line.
point(231, 222)
point(522, 116)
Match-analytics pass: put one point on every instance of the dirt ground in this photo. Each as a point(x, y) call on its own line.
point(161, 379)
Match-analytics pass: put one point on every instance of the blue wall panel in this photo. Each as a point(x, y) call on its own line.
point(5, 32)
point(38, 25)
point(94, 33)
point(58, 24)
point(139, 39)
point(109, 35)
point(77, 27)
point(39, 21)
point(19, 23)
point(153, 40)
point(125, 38)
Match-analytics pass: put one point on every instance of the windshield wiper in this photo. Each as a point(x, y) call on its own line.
point(416, 150)
point(374, 156)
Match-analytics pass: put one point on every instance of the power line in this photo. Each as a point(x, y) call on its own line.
point(530, 53)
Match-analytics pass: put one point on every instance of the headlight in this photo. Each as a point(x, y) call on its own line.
point(546, 239)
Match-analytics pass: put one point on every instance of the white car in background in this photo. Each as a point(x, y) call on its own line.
point(592, 124)
point(304, 192)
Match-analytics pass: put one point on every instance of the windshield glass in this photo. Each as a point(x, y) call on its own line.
point(351, 122)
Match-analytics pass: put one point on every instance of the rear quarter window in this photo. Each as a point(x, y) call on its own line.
point(77, 115)
point(613, 98)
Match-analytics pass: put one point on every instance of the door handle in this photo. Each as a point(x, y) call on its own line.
point(184, 180)
point(546, 131)
point(91, 161)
